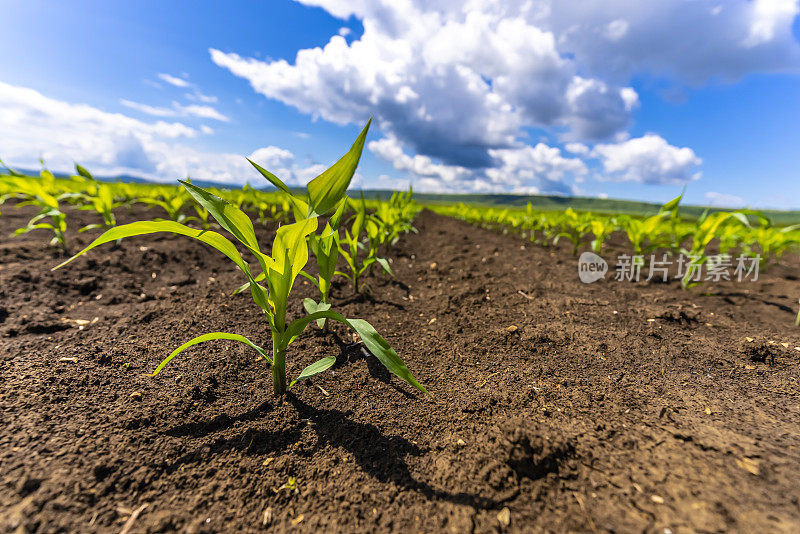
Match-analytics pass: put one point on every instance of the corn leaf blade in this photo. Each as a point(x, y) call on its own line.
point(210, 337)
point(326, 190)
point(315, 368)
point(378, 346)
point(214, 239)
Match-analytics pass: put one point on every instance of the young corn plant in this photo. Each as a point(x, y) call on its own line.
point(573, 228)
point(766, 241)
point(37, 193)
point(350, 244)
point(326, 252)
point(99, 197)
point(601, 228)
point(172, 200)
point(396, 216)
point(639, 231)
point(280, 268)
point(708, 228)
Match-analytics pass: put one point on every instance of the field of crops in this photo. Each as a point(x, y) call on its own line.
point(211, 360)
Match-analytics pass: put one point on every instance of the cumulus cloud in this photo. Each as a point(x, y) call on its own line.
point(447, 86)
point(523, 169)
point(691, 41)
point(63, 133)
point(577, 148)
point(648, 159)
point(451, 83)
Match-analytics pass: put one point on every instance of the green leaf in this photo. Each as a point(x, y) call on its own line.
point(90, 227)
point(214, 239)
point(228, 216)
point(671, 205)
point(310, 305)
point(209, 337)
point(11, 171)
point(274, 180)
point(326, 190)
point(290, 245)
point(336, 218)
point(372, 340)
point(385, 264)
point(244, 286)
point(313, 307)
point(83, 172)
point(315, 368)
point(313, 280)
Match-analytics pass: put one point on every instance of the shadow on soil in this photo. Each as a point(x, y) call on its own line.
point(380, 456)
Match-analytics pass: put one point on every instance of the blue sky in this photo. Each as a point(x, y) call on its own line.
point(625, 99)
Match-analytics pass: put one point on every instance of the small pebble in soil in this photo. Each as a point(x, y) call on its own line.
point(136, 395)
point(504, 517)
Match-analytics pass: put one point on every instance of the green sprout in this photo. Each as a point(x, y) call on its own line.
point(280, 268)
point(37, 193)
point(350, 244)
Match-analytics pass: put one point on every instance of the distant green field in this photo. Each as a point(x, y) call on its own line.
point(607, 206)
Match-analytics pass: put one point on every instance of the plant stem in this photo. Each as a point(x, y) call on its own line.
point(278, 368)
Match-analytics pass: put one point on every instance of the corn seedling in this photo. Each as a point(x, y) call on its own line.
point(573, 228)
point(280, 268)
point(704, 233)
point(350, 244)
point(326, 252)
point(173, 201)
point(36, 194)
point(601, 228)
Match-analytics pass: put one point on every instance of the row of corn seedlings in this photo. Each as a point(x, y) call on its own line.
point(746, 232)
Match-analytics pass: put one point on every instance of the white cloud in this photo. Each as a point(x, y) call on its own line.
point(648, 159)
point(724, 200)
point(577, 148)
point(452, 81)
point(63, 133)
point(177, 110)
point(450, 86)
point(149, 110)
point(196, 110)
point(523, 169)
point(197, 96)
point(693, 41)
point(389, 149)
point(539, 168)
point(173, 80)
point(771, 20)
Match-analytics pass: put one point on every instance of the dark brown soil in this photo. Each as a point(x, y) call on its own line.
point(605, 407)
